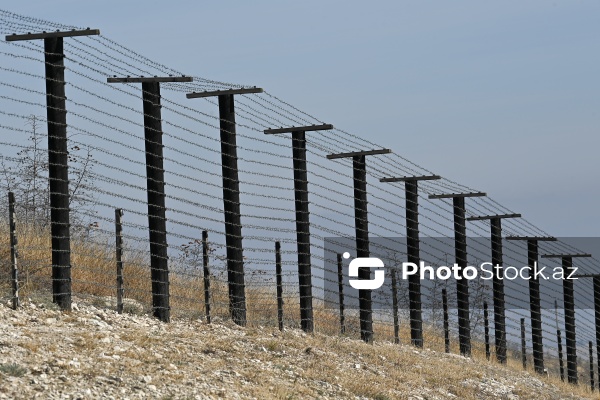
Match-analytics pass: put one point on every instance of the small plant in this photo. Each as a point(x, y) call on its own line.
point(12, 369)
point(272, 346)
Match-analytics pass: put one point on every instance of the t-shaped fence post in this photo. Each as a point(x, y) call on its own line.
point(413, 251)
point(596, 283)
point(460, 251)
point(302, 218)
point(497, 282)
point(58, 156)
point(231, 199)
point(155, 184)
point(534, 300)
point(569, 305)
point(361, 223)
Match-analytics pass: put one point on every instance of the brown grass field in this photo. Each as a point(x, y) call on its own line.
point(93, 274)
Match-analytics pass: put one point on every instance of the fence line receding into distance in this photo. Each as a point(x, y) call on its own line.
point(186, 208)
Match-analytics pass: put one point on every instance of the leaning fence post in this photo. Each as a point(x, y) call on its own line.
point(523, 344)
point(206, 275)
point(119, 257)
point(279, 285)
point(395, 307)
point(446, 321)
point(13, 250)
point(486, 328)
point(341, 294)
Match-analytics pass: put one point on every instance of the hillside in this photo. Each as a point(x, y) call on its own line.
point(96, 353)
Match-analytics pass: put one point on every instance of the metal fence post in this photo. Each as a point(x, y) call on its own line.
point(155, 189)
point(486, 328)
point(596, 283)
point(460, 251)
point(446, 321)
point(537, 335)
point(302, 218)
point(569, 305)
point(119, 258)
point(231, 199)
point(591, 367)
point(523, 344)
point(58, 169)
point(395, 307)
point(561, 364)
point(361, 223)
point(58, 172)
point(279, 285)
point(413, 251)
point(13, 250)
point(206, 275)
point(497, 282)
point(570, 339)
point(341, 293)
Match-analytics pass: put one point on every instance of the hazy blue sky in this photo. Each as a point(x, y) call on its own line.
point(501, 96)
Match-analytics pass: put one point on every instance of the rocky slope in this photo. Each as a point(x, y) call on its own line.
point(95, 353)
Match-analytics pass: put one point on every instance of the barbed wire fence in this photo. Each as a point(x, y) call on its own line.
point(203, 196)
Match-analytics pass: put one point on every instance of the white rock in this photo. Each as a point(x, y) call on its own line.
point(100, 324)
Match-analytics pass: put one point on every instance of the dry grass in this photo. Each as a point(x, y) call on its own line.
point(93, 274)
